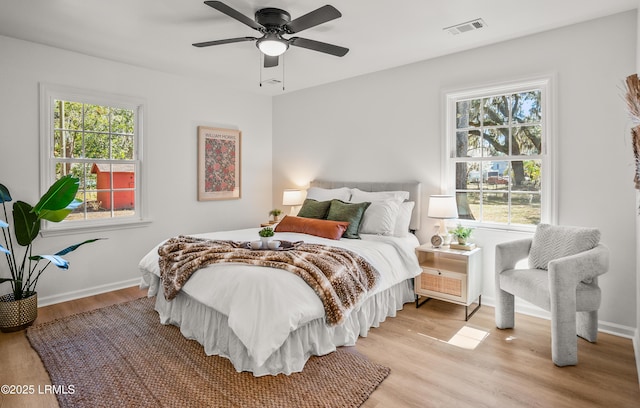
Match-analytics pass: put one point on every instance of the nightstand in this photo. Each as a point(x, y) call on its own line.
point(451, 275)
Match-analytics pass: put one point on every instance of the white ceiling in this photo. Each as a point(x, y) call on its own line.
point(380, 34)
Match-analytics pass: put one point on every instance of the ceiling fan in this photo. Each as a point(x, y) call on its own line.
point(273, 23)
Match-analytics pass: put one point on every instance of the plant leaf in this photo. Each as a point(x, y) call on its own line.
point(58, 261)
point(59, 215)
point(59, 195)
point(74, 247)
point(6, 280)
point(4, 250)
point(25, 223)
point(4, 194)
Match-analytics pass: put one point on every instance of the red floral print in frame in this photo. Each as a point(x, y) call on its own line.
point(218, 163)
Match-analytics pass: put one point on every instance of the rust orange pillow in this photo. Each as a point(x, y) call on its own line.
point(312, 226)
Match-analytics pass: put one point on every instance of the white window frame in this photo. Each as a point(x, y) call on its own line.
point(49, 93)
point(546, 83)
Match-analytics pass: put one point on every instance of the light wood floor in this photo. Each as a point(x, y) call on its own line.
point(509, 368)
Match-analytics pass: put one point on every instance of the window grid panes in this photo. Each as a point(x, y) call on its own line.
point(498, 155)
point(97, 144)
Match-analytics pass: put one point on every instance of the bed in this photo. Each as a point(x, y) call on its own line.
point(269, 321)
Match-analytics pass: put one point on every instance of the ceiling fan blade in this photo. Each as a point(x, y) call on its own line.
point(312, 19)
point(220, 42)
point(270, 61)
point(319, 46)
point(223, 8)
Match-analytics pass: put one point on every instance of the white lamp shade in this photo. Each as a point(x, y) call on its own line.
point(272, 45)
point(443, 207)
point(292, 197)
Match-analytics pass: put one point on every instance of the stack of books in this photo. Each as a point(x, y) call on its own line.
point(466, 247)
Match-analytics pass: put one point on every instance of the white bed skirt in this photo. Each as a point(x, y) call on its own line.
point(210, 328)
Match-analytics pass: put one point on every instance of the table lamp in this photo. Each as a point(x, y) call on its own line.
point(442, 207)
point(293, 198)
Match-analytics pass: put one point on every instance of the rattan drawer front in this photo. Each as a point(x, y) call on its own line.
point(441, 284)
point(451, 286)
point(430, 282)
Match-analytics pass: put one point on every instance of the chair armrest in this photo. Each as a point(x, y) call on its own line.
point(508, 254)
point(573, 269)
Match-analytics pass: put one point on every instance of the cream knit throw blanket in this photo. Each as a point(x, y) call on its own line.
point(339, 277)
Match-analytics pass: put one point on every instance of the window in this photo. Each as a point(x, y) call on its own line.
point(98, 139)
point(498, 154)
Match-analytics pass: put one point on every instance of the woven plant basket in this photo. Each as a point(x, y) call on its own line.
point(17, 314)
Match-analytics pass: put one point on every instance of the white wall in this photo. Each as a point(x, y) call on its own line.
point(388, 126)
point(175, 106)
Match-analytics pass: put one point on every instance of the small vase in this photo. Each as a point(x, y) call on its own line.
point(17, 315)
point(462, 241)
point(265, 242)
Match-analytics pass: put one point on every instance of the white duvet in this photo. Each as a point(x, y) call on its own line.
point(264, 305)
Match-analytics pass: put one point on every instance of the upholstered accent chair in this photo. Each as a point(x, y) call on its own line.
point(562, 278)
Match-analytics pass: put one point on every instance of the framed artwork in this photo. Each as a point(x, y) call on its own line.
point(218, 163)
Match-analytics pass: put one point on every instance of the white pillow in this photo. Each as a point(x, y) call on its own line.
point(380, 217)
point(326, 194)
point(359, 196)
point(401, 228)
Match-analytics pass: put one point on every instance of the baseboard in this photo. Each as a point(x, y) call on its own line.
point(604, 327)
point(616, 329)
point(636, 349)
point(77, 294)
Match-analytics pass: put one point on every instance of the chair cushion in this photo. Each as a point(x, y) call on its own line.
point(532, 285)
point(556, 241)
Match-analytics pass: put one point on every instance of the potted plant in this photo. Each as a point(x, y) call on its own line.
point(265, 235)
point(19, 308)
point(275, 213)
point(462, 234)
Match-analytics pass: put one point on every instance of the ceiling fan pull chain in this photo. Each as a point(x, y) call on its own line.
point(283, 72)
point(260, 67)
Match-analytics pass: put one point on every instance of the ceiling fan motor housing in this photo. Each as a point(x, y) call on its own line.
point(273, 19)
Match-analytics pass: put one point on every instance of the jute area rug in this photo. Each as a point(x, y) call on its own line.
point(122, 356)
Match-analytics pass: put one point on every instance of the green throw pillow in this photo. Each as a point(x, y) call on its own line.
point(314, 209)
point(350, 212)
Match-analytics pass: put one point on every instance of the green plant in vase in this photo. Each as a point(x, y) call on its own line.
point(25, 270)
point(462, 234)
point(265, 235)
point(275, 213)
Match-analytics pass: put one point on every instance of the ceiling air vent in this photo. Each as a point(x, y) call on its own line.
point(467, 26)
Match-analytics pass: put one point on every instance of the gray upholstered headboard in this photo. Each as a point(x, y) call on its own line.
point(413, 187)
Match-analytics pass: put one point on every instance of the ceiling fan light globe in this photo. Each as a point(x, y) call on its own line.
point(272, 48)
